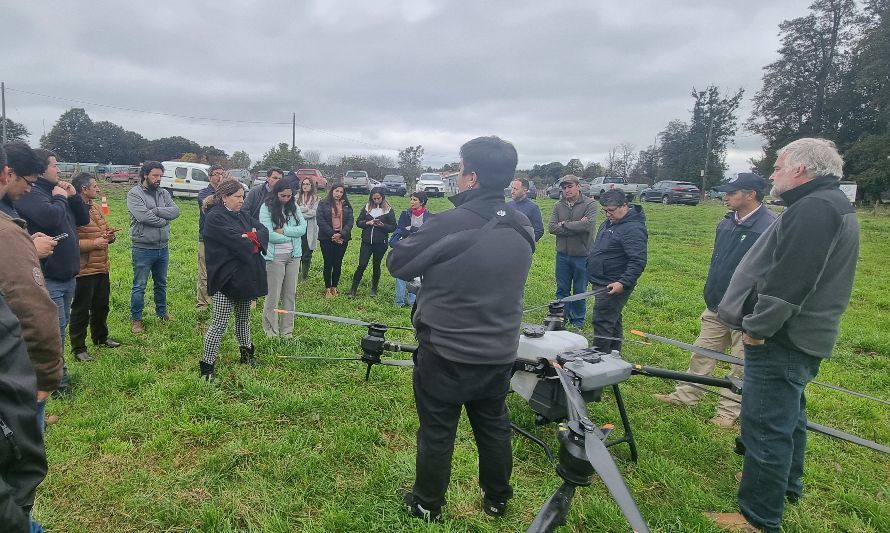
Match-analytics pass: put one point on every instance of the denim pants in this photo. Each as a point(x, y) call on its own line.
point(571, 278)
point(774, 430)
point(155, 262)
point(62, 294)
point(401, 289)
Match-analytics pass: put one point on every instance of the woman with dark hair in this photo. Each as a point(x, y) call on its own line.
point(236, 272)
point(286, 227)
point(307, 201)
point(334, 218)
point(409, 221)
point(377, 221)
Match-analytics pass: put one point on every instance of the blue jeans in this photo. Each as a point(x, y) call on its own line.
point(571, 278)
point(401, 289)
point(774, 430)
point(147, 261)
point(62, 294)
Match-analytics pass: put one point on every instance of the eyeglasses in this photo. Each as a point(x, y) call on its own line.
point(611, 210)
point(218, 173)
point(29, 182)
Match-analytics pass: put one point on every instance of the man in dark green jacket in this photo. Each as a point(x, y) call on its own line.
point(787, 297)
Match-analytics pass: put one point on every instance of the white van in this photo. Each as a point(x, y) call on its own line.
point(185, 179)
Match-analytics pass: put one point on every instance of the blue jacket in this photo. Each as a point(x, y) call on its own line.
point(293, 230)
point(530, 209)
point(54, 215)
point(620, 250)
point(732, 242)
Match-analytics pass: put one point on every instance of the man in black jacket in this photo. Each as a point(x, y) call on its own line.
point(616, 262)
point(736, 233)
point(53, 207)
point(474, 261)
point(786, 297)
point(22, 458)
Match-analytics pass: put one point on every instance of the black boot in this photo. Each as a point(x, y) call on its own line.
point(247, 357)
point(207, 372)
point(351, 293)
point(304, 268)
point(375, 281)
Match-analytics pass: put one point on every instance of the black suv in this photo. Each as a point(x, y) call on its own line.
point(672, 192)
point(395, 184)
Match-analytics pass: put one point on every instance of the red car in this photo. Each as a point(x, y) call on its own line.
point(130, 175)
point(320, 181)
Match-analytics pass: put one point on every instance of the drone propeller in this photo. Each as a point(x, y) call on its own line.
point(340, 319)
point(714, 354)
point(386, 362)
point(598, 457)
point(567, 299)
point(555, 510)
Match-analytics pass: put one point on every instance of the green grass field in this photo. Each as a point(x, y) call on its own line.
point(144, 445)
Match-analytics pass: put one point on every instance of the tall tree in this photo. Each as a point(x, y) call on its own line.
point(239, 159)
point(800, 90)
point(282, 157)
point(593, 170)
point(574, 166)
point(71, 138)
point(170, 148)
point(410, 161)
point(16, 131)
point(713, 126)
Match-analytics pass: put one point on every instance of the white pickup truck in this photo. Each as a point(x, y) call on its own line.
point(606, 183)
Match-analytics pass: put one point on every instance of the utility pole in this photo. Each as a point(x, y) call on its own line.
point(293, 143)
point(704, 173)
point(3, 97)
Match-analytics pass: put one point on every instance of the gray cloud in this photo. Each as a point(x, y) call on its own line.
point(561, 79)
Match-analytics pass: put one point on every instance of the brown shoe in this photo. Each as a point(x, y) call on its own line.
point(49, 420)
point(670, 399)
point(136, 326)
point(335, 292)
point(166, 318)
point(328, 294)
point(722, 422)
point(732, 522)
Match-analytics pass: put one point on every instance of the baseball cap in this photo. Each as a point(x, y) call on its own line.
point(748, 182)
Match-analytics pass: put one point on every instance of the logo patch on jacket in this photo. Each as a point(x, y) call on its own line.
point(38, 276)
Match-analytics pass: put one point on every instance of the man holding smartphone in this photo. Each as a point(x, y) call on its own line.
point(53, 207)
point(93, 285)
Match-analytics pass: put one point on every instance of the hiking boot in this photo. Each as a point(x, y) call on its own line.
point(136, 326)
point(670, 399)
point(417, 510)
point(493, 507)
point(166, 318)
point(207, 372)
point(49, 420)
point(247, 357)
point(733, 522)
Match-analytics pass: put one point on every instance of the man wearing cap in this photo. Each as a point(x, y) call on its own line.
point(747, 219)
point(573, 222)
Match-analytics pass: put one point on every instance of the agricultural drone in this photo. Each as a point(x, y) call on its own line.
point(557, 374)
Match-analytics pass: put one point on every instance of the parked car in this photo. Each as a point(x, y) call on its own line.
point(317, 177)
point(672, 192)
point(532, 190)
point(356, 180)
point(184, 179)
point(395, 184)
point(373, 184)
point(607, 183)
point(430, 183)
point(128, 175)
point(242, 175)
point(555, 193)
point(716, 194)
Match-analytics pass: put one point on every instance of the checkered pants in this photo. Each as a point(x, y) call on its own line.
point(222, 312)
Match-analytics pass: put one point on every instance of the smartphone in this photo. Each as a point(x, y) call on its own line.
point(60, 236)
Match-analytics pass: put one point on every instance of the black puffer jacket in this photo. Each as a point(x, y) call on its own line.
point(233, 267)
point(373, 234)
point(620, 250)
point(325, 217)
point(22, 459)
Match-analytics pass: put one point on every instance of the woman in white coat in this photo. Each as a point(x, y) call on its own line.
point(307, 201)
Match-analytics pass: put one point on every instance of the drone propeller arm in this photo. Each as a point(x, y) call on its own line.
point(683, 376)
point(397, 347)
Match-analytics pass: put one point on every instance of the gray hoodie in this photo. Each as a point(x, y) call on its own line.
point(150, 216)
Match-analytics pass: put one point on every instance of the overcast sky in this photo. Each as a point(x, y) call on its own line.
point(560, 79)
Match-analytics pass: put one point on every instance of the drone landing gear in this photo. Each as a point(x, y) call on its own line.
point(628, 436)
